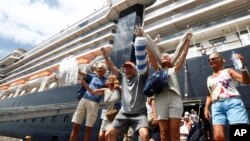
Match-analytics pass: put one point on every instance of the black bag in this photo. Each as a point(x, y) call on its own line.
point(196, 133)
point(80, 92)
point(155, 83)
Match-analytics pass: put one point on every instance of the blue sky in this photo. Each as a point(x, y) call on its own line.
point(26, 23)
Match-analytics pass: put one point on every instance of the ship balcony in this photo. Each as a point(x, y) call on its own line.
point(209, 30)
point(157, 13)
point(93, 35)
point(87, 51)
point(65, 51)
point(63, 43)
point(164, 22)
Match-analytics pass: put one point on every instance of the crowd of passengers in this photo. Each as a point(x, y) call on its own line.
point(160, 117)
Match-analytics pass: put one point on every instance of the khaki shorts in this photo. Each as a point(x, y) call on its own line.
point(168, 105)
point(86, 109)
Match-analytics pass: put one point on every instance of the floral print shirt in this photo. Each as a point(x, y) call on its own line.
point(222, 86)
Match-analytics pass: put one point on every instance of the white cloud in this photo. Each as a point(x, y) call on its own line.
point(27, 22)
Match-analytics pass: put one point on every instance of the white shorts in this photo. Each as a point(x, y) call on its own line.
point(86, 109)
point(168, 105)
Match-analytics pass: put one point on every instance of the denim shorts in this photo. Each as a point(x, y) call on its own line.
point(229, 111)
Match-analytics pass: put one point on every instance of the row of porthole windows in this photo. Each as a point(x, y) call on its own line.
point(53, 119)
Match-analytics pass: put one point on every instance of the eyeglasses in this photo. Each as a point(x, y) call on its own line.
point(213, 59)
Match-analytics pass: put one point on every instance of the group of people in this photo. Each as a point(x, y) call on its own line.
point(188, 122)
point(126, 86)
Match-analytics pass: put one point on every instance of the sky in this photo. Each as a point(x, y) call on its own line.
point(26, 23)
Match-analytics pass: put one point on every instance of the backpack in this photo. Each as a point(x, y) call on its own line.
point(155, 83)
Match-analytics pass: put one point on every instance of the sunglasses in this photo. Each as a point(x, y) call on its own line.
point(213, 59)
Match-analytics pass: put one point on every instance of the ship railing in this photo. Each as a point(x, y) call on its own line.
point(86, 47)
point(165, 9)
point(193, 10)
point(67, 46)
point(208, 25)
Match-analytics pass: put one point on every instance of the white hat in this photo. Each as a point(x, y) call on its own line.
point(187, 113)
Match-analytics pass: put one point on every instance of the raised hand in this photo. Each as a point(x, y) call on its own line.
point(138, 31)
point(189, 36)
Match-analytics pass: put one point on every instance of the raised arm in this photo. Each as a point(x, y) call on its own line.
point(109, 63)
point(183, 54)
point(242, 77)
point(94, 92)
point(152, 60)
point(83, 74)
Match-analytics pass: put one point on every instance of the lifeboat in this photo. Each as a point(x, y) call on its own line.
point(35, 81)
point(82, 61)
point(17, 83)
point(13, 89)
point(51, 83)
point(3, 88)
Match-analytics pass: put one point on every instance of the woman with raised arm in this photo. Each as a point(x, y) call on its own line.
point(168, 102)
point(223, 97)
point(111, 99)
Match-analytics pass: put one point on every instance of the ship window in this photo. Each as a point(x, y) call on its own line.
point(66, 119)
point(196, 45)
point(42, 119)
point(53, 120)
point(24, 120)
point(33, 120)
point(217, 41)
point(245, 38)
point(83, 23)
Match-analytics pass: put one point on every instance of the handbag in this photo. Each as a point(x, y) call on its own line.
point(80, 92)
point(110, 114)
point(155, 83)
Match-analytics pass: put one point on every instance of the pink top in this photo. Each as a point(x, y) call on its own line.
point(222, 86)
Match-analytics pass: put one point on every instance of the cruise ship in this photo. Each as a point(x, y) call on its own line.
point(33, 102)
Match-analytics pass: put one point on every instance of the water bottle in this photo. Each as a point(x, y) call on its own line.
point(236, 61)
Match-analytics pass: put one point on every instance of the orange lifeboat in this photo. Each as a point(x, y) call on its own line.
point(4, 87)
point(18, 82)
point(82, 61)
point(45, 73)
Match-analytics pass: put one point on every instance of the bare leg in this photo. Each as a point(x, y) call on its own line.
point(112, 134)
point(164, 130)
point(219, 132)
point(74, 132)
point(87, 135)
point(144, 135)
point(175, 129)
point(102, 136)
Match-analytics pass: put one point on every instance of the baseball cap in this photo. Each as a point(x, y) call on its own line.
point(129, 64)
